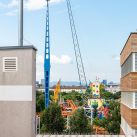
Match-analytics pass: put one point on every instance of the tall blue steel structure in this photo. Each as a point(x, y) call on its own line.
point(47, 58)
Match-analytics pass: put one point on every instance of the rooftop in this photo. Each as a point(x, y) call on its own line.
point(18, 47)
point(127, 40)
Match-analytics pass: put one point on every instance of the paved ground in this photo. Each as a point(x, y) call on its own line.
point(82, 136)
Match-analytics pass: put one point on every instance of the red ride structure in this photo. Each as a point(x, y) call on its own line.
point(68, 108)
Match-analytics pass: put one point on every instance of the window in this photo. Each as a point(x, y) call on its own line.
point(127, 66)
point(9, 64)
point(136, 62)
point(135, 99)
point(135, 132)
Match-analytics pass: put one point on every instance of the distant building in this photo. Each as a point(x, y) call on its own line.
point(37, 83)
point(66, 89)
point(104, 82)
point(42, 82)
point(112, 87)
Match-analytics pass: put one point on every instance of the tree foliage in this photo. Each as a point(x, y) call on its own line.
point(112, 122)
point(109, 96)
point(52, 121)
point(75, 96)
point(114, 118)
point(79, 123)
point(40, 100)
point(40, 104)
point(95, 112)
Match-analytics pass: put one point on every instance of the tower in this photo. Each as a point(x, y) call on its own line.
point(47, 58)
point(128, 60)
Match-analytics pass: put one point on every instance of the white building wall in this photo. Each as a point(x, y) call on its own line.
point(127, 98)
point(16, 93)
point(126, 128)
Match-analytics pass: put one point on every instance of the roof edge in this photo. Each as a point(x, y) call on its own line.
point(127, 41)
point(18, 47)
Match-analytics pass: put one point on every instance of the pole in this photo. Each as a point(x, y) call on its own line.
point(91, 115)
point(20, 41)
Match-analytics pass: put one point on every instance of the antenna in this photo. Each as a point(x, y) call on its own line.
point(20, 40)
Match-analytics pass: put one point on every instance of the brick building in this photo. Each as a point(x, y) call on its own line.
point(128, 60)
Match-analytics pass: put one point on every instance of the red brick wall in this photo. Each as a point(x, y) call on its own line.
point(130, 115)
point(130, 46)
point(129, 82)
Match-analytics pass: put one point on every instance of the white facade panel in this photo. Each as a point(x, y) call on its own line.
point(134, 62)
point(127, 66)
point(135, 99)
point(16, 93)
point(126, 128)
point(127, 98)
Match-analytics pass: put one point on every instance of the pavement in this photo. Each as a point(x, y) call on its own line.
point(83, 136)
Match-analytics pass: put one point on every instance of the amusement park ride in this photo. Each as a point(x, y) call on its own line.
point(47, 58)
point(80, 66)
point(68, 107)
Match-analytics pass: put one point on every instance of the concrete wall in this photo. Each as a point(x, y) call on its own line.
point(24, 75)
point(17, 94)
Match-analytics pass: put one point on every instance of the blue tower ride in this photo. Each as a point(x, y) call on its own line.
point(47, 58)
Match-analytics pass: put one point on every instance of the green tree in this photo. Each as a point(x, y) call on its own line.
point(89, 91)
point(52, 121)
point(106, 95)
point(95, 112)
point(42, 121)
point(112, 122)
point(75, 96)
point(114, 118)
point(117, 95)
point(40, 100)
point(79, 123)
point(40, 103)
point(100, 122)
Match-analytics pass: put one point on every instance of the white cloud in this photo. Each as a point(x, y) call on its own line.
point(13, 3)
point(29, 4)
point(115, 57)
point(38, 4)
point(35, 4)
point(40, 59)
point(63, 60)
point(12, 13)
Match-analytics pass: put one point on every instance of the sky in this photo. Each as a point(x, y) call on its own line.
point(103, 27)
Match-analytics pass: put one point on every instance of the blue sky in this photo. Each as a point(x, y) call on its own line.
point(103, 27)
